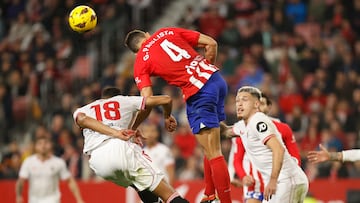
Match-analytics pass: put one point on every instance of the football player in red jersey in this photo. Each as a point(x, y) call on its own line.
point(169, 53)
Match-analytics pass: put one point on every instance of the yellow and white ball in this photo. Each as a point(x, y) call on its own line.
point(82, 18)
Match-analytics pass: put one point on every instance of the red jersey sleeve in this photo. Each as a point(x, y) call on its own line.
point(191, 36)
point(142, 74)
point(238, 159)
point(289, 140)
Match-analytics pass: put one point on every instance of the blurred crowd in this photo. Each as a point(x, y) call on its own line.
point(304, 54)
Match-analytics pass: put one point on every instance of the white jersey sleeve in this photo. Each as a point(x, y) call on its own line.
point(351, 155)
point(63, 171)
point(24, 169)
point(263, 126)
point(239, 127)
point(137, 102)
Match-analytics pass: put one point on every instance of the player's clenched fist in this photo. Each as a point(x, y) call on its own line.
point(248, 180)
point(125, 134)
point(170, 124)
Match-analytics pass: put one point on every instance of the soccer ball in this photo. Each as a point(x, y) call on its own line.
point(82, 18)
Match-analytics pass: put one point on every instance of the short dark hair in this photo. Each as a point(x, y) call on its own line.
point(133, 38)
point(108, 92)
point(42, 137)
point(266, 97)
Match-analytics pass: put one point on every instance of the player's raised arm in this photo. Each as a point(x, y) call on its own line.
point(84, 121)
point(142, 115)
point(210, 46)
point(166, 102)
point(163, 100)
point(324, 155)
point(150, 102)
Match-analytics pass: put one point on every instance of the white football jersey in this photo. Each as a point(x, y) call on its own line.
point(254, 135)
point(116, 112)
point(161, 156)
point(44, 176)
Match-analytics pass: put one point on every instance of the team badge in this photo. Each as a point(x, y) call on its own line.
point(261, 127)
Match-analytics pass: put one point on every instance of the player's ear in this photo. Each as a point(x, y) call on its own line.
point(147, 35)
point(257, 104)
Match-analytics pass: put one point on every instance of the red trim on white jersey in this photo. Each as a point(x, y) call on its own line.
point(268, 138)
point(142, 107)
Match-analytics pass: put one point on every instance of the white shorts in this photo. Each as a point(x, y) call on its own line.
point(125, 164)
point(291, 190)
point(47, 199)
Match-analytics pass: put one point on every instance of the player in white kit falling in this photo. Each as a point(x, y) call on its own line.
point(43, 171)
point(113, 155)
point(284, 179)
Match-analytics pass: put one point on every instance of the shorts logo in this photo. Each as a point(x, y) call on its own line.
point(261, 127)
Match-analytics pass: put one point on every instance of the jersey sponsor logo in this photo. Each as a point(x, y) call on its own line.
point(137, 80)
point(261, 127)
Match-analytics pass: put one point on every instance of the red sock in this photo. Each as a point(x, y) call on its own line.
point(221, 178)
point(209, 185)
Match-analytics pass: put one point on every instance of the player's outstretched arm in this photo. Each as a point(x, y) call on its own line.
point(161, 100)
point(142, 115)
point(351, 155)
point(75, 190)
point(210, 46)
point(226, 130)
point(166, 102)
point(324, 155)
point(87, 122)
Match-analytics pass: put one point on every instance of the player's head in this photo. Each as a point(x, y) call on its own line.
point(247, 101)
point(108, 92)
point(134, 39)
point(265, 104)
point(151, 133)
point(43, 145)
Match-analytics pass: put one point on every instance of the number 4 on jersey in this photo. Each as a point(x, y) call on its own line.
point(176, 53)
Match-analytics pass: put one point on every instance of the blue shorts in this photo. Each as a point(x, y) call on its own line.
point(205, 109)
point(254, 195)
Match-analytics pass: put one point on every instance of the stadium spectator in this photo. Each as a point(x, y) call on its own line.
point(43, 170)
point(160, 154)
